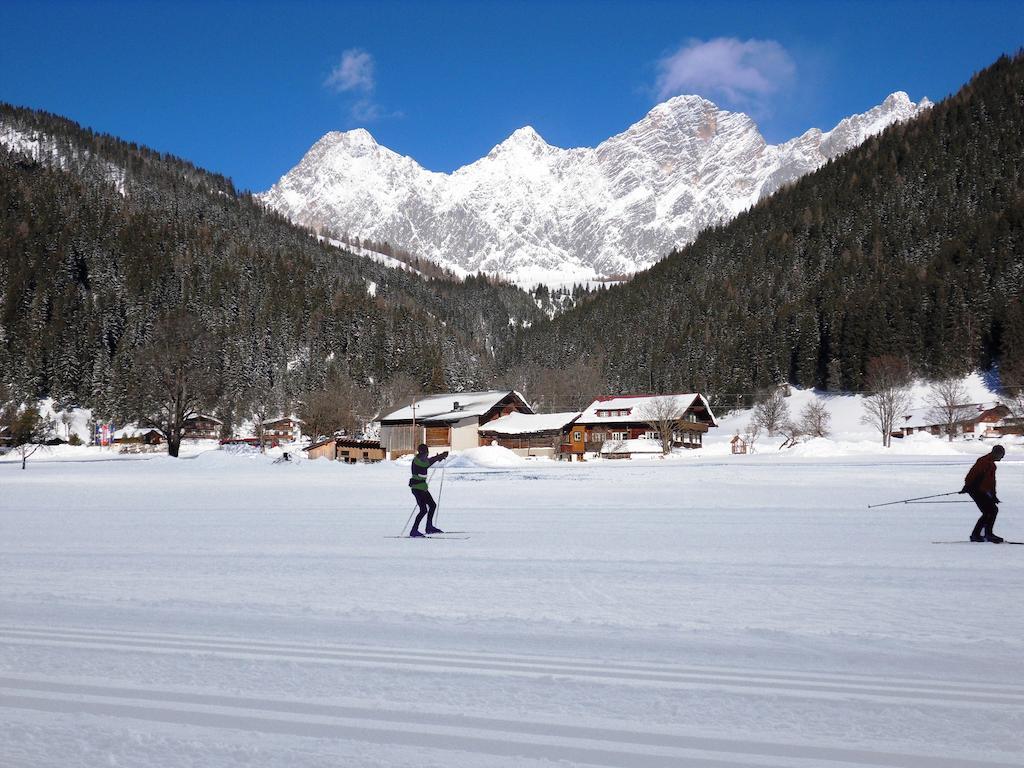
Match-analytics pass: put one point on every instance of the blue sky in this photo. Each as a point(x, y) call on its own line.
point(244, 88)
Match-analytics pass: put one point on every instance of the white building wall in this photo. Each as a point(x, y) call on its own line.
point(466, 434)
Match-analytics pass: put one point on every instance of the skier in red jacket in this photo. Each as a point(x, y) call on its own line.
point(980, 483)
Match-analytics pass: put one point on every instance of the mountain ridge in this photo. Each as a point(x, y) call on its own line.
point(533, 212)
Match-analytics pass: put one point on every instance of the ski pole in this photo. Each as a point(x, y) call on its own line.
point(957, 501)
point(440, 489)
point(916, 498)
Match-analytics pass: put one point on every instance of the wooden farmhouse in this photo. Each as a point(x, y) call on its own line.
point(450, 421)
point(528, 434)
point(347, 450)
point(281, 430)
point(621, 426)
point(981, 420)
point(202, 427)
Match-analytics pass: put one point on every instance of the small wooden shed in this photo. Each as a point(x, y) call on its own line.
point(739, 445)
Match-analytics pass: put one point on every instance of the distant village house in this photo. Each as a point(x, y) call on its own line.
point(201, 427)
point(981, 420)
point(621, 426)
point(450, 421)
point(529, 434)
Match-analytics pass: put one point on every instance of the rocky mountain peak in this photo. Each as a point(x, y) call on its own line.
point(537, 213)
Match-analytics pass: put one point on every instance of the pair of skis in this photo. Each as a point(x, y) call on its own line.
point(975, 542)
point(449, 535)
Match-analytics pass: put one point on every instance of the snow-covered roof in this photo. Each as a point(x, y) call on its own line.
point(204, 417)
point(640, 445)
point(451, 406)
point(926, 416)
point(526, 423)
point(132, 430)
point(631, 408)
point(279, 418)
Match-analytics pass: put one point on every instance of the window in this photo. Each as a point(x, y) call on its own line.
point(650, 434)
point(620, 435)
point(597, 437)
point(577, 436)
point(691, 416)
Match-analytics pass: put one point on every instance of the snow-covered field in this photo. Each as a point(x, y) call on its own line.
point(223, 610)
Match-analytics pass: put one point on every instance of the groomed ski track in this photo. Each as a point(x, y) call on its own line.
point(703, 613)
point(473, 735)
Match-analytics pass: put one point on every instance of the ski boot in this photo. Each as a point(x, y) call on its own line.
point(976, 537)
point(993, 539)
point(414, 534)
point(431, 529)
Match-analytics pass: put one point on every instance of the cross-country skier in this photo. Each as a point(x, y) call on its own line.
point(980, 483)
point(418, 484)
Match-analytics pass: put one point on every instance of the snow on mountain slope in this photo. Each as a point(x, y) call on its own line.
point(42, 148)
point(537, 213)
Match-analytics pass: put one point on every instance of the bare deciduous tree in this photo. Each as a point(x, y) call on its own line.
point(1013, 392)
point(663, 415)
point(396, 392)
point(263, 405)
point(175, 378)
point(571, 388)
point(342, 405)
point(27, 429)
point(947, 404)
point(815, 420)
point(888, 380)
point(752, 435)
point(792, 431)
point(772, 412)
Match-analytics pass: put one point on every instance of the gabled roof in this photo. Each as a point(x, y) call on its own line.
point(451, 406)
point(204, 417)
point(920, 418)
point(528, 423)
point(634, 407)
point(279, 418)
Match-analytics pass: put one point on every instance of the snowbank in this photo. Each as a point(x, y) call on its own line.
point(489, 456)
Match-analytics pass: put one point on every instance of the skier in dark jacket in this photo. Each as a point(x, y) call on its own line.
point(980, 483)
point(418, 484)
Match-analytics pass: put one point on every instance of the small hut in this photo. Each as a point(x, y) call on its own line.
point(739, 445)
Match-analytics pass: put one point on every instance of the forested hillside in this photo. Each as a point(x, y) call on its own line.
point(911, 244)
point(102, 241)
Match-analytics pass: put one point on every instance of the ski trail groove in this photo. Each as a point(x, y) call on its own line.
point(772, 682)
point(465, 733)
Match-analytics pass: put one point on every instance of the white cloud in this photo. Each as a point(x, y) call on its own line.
point(353, 73)
point(742, 72)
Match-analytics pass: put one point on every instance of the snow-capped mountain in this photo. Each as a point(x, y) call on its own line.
point(537, 213)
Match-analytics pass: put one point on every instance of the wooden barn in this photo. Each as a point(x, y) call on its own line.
point(202, 427)
point(450, 421)
point(626, 424)
point(528, 434)
point(347, 450)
